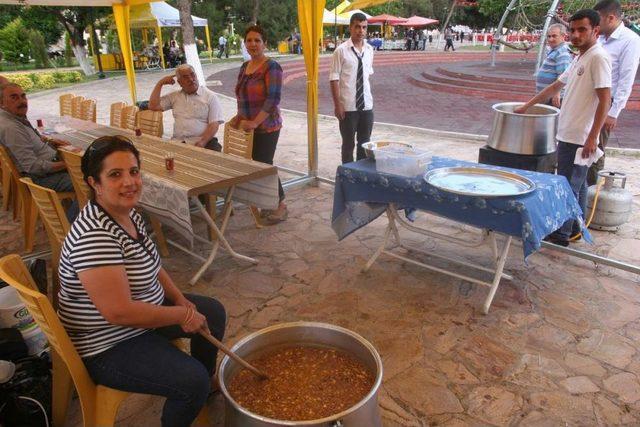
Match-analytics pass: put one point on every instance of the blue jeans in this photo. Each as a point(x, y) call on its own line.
point(577, 177)
point(150, 364)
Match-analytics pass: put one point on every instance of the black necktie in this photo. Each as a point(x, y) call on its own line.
point(359, 82)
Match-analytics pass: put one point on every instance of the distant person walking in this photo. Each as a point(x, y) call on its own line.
point(448, 37)
point(351, 66)
point(222, 45)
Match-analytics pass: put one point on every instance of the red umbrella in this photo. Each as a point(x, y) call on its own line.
point(417, 21)
point(386, 19)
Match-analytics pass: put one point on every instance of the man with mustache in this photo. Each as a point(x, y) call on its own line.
point(34, 154)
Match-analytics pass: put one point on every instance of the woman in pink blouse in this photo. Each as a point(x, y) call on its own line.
point(258, 93)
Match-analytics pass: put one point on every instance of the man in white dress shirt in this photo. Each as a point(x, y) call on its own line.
point(623, 46)
point(351, 66)
point(196, 110)
point(583, 111)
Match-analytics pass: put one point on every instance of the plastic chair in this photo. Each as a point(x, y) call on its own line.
point(115, 118)
point(24, 204)
point(150, 122)
point(65, 104)
point(88, 110)
point(129, 117)
point(240, 143)
point(76, 107)
point(73, 162)
point(55, 223)
point(99, 404)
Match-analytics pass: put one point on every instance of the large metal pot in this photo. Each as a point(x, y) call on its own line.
point(531, 133)
point(364, 413)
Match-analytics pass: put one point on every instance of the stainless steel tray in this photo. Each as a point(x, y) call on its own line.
point(475, 181)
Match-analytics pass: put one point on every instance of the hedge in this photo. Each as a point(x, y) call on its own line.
point(41, 81)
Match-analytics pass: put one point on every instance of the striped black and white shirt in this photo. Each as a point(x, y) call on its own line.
point(97, 240)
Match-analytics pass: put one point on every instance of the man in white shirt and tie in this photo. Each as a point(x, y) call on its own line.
point(351, 66)
point(623, 46)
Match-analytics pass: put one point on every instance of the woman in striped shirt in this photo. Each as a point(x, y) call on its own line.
point(258, 93)
point(120, 307)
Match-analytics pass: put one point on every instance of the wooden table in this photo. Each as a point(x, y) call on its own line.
point(197, 171)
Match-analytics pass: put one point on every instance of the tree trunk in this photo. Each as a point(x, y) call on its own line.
point(254, 13)
point(188, 39)
point(446, 23)
point(80, 52)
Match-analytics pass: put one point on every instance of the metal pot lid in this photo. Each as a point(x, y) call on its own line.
point(477, 181)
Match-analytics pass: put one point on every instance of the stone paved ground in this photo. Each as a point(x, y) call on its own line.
point(560, 346)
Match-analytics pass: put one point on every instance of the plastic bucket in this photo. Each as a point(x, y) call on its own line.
point(35, 339)
point(13, 313)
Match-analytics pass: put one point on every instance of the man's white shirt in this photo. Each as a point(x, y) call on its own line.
point(192, 113)
point(587, 72)
point(344, 68)
point(623, 46)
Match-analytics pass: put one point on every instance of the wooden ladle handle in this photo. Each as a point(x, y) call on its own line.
point(226, 350)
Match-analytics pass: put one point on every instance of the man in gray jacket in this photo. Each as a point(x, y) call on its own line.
point(34, 154)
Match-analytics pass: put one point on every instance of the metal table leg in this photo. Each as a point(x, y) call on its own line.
point(219, 232)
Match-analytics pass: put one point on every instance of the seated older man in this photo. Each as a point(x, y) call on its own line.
point(34, 154)
point(196, 109)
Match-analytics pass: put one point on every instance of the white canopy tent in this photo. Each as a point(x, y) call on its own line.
point(331, 18)
point(162, 13)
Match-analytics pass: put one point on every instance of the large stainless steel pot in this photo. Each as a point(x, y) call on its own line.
point(531, 133)
point(364, 413)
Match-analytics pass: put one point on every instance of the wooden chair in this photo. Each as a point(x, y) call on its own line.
point(25, 205)
point(99, 404)
point(88, 110)
point(129, 117)
point(55, 223)
point(115, 118)
point(65, 104)
point(76, 107)
point(150, 122)
point(73, 162)
point(240, 143)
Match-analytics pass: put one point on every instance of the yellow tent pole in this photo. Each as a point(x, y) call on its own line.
point(121, 16)
point(145, 37)
point(310, 14)
point(160, 51)
point(208, 37)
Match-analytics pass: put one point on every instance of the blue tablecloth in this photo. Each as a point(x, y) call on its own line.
point(362, 194)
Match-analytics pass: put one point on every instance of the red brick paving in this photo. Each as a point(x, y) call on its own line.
point(403, 95)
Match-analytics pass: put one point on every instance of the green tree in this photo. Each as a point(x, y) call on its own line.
point(38, 48)
point(14, 42)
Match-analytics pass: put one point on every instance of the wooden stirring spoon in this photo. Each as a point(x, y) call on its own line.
point(226, 350)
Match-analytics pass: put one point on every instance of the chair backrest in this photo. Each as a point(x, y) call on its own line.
point(76, 107)
point(150, 122)
point(52, 214)
point(14, 175)
point(65, 104)
point(88, 110)
point(73, 162)
point(115, 118)
point(129, 117)
point(237, 141)
point(15, 273)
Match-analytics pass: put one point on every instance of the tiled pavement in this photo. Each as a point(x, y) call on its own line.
point(560, 346)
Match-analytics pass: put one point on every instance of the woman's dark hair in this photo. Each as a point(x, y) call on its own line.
point(255, 29)
point(99, 150)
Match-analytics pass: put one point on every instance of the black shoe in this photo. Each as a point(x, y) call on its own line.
point(556, 240)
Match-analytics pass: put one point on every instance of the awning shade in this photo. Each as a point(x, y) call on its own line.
point(161, 14)
point(361, 4)
point(331, 18)
point(418, 21)
point(386, 19)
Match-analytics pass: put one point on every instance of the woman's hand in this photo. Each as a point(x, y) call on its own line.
point(194, 322)
point(184, 302)
point(248, 125)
